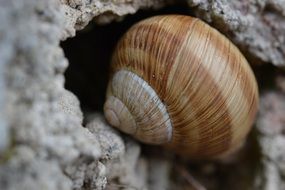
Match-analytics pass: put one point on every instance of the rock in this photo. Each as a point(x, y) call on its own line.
point(271, 126)
point(24, 171)
point(78, 13)
point(111, 143)
point(129, 171)
point(124, 167)
point(87, 175)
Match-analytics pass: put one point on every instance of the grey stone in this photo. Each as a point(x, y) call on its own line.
point(271, 125)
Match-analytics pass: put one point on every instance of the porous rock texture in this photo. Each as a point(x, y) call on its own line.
point(271, 128)
point(43, 143)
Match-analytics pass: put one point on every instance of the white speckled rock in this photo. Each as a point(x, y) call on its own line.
point(111, 143)
point(271, 126)
point(79, 13)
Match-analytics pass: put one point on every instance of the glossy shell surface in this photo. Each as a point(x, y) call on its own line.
point(178, 82)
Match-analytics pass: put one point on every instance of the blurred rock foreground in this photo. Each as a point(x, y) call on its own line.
point(47, 143)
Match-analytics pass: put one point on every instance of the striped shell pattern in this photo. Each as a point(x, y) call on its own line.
point(178, 82)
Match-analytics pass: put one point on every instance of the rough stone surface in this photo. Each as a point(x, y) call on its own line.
point(25, 171)
point(124, 167)
point(79, 12)
point(43, 142)
point(271, 127)
point(87, 174)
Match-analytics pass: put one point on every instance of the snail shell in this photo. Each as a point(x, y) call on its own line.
point(178, 82)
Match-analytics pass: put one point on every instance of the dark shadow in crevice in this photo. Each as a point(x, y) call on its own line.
point(265, 75)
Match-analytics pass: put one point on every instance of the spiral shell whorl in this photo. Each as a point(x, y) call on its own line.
point(206, 85)
point(136, 104)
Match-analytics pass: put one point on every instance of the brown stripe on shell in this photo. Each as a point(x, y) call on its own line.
point(245, 82)
point(248, 87)
point(202, 113)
